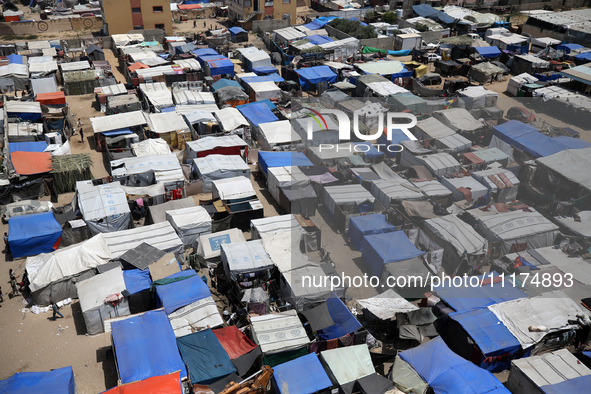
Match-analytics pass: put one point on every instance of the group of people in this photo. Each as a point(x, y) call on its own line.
point(16, 288)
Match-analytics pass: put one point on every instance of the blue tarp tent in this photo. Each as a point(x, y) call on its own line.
point(204, 356)
point(58, 381)
point(446, 372)
point(136, 280)
point(177, 294)
point(424, 10)
point(317, 39)
point(204, 52)
point(36, 146)
point(359, 226)
point(267, 102)
point(488, 52)
point(381, 249)
point(397, 137)
point(221, 66)
point(445, 18)
point(303, 375)
point(585, 56)
point(14, 58)
point(115, 133)
point(267, 70)
point(320, 22)
point(568, 47)
point(236, 30)
point(264, 78)
point(224, 83)
point(29, 235)
point(257, 113)
point(203, 59)
point(145, 346)
point(528, 139)
point(313, 75)
point(576, 385)
point(369, 151)
point(283, 159)
point(405, 73)
point(496, 343)
point(344, 321)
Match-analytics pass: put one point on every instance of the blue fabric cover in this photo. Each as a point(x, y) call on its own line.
point(585, 56)
point(313, 75)
point(257, 113)
point(381, 249)
point(136, 280)
point(14, 58)
point(204, 52)
point(145, 346)
point(33, 234)
point(115, 133)
point(446, 372)
point(303, 375)
point(264, 78)
point(37, 146)
point(221, 66)
point(58, 381)
point(267, 70)
point(576, 385)
point(267, 102)
point(175, 295)
point(424, 10)
point(405, 73)
point(568, 47)
point(224, 83)
point(359, 226)
point(491, 51)
point(317, 39)
point(283, 159)
point(204, 356)
point(237, 30)
point(345, 322)
point(491, 336)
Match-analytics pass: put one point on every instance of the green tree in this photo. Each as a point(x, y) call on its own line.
point(390, 17)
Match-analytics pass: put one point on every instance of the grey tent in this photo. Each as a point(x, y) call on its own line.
point(95, 53)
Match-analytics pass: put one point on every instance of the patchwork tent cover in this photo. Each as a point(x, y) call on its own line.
point(303, 375)
point(283, 159)
point(314, 75)
point(59, 380)
point(190, 223)
point(33, 234)
point(257, 113)
point(241, 350)
point(458, 233)
point(279, 332)
point(210, 245)
point(347, 364)
point(381, 249)
point(446, 372)
point(335, 312)
point(359, 226)
point(145, 346)
point(245, 257)
point(164, 384)
point(204, 356)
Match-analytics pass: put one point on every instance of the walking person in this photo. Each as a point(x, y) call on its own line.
point(6, 244)
point(14, 291)
point(194, 23)
point(56, 311)
point(81, 135)
point(1, 297)
point(79, 122)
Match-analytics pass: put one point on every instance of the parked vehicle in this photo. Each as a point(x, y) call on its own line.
point(431, 57)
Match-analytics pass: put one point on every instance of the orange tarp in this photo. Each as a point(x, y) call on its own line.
point(189, 6)
point(166, 384)
point(30, 163)
point(137, 66)
point(55, 98)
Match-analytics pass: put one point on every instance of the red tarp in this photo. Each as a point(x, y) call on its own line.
point(234, 342)
point(189, 6)
point(137, 66)
point(166, 384)
point(30, 163)
point(55, 98)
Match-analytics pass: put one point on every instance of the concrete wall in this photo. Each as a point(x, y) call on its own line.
point(335, 32)
point(120, 19)
point(385, 43)
point(269, 25)
point(51, 26)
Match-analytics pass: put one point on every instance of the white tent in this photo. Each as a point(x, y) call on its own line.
point(14, 76)
point(190, 97)
point(284, 249)
point(256, 59)
point(198, 316)
point(295, 287)
point(517, 81)
point(233, 188)
point(151, 146)
point(345, 196)
point(209, 245)
point(274, 224)
point(244, 258)
point(390, 192)
point(167, 122)
point(476, 97)
point(147, 165)
point(347, 364)
point(101, 124)
point(278, 177)
point(458, 119)
point(385, 306)
point(275, 135)
point(157, 94)
point(104, 207)
point(93, 292)
point(196, 148)
point(214, 167)
point(190, 223)
point(160, 235)
point(265, 90)
point(517, 228)
point(433, 189)
point(502, 183)
point(279, 332)
point(230, 119)
point(439, 164)
point(476, 190)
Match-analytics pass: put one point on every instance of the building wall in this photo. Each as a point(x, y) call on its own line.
point(120, 19)
point(272, 9)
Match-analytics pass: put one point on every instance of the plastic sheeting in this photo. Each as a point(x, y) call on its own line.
point(145, 346)
point(149, 147)
point(158, 212)
point(283, 159)
point(301, 376)
point(446, 372)
point(343, 320)
point(576, 385)
point(209, 247)
point(360, 226)
point(258, 113)
point(118, 121)
point(59, 380)
point(136, 280)
point(165, 384)
point(104, 208)
point(279, 332)
point(226, 145)
point(571, 164)
point(182, 292)
point(237, 188)
point(31, 163)
point(347, 364)
point(33, 234)
point(245, 257)
point(314, 75)
point(159, 235)
point(385, 306)
point(219, 167)
point(190, 223)
point(381, 249)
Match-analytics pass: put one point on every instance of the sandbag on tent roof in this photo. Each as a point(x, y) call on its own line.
point(225, 145)
point(239, 347)
point(302, 375)
point(219, 167)
point(164, 384)
point(381, 249)
point(257, 113)
point(332, 319)
point(521, 229)
point(313, 75)
point(59, 380)
point(104, 208)
point(204, 356)
point(94, 291)
point(145, 346)
point(33, 234)
point(446, 372)
point(359, 226)
point(283, 159)
point(245, 257)
point(159, 235)
point(347, 364)
point(553, 310)
point(279, 332)
point(209, 247)
point(189, 223)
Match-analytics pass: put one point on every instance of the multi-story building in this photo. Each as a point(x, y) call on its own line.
point(246, 11)
point(121, 16)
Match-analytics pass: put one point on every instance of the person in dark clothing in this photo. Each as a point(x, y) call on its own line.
point(81, 135)
point(6, 244)
point(56, 311)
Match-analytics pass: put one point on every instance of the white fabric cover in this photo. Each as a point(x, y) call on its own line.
point(478, 190)
point(433, 189)
point(210, 143)
point(458, 119)
point(151, 146)
point(348, 364)
point(276, 133)
point(265, 90)
point(140, 165)
point(166, 122)
point(284, 249)
point(230, 119)
point(118, 121)
point(278, 177)
point(189, 223)
point(458, 233)
point(233, 188)
point(198, 316)
point(439, 164)
point(214, 167)
point(160, 235)
point(245, 257)
point(508, 193)
point(158, 94)
point(389, 192)
point(345, 195)
point(386, 305)
point(102, 203)
point(573, 164)
point(209, 247)
point(278, 332)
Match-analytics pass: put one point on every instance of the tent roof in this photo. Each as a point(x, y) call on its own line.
point(31, 163)
point(446, 372)
point(224, 83)
point(382, 67)
point(59, 380)
point(166, 122)
point(246, 257)
point(145, 346)
point(257, 113)
point(159, 235)
point(31, 146)
point(283, 159)
point(463, 237)
point(118, 121)
point(369, 223)
point(224, 163)
point(136, 280)
point(348, 364)
point(386, 305)
point(490, 51)
point(391, 247)
point(278, 332)
point(158, 212)
point(576, 385)
point(93, 291)
point(234, 341)
point(209, 143)
point(237, 29)
point(101, 201)
point(515, 224)
point(209, 245)
point(33, 234)
point(233, 188)
point(164, 384)
point(571, 164)
point(343, 321)
point(183, 292)
point(302, 375)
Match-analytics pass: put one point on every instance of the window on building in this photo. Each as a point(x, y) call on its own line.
point(286, 1)
point(136, 10)
point(248, 3)
point(157, 8)
point(159, 26)
point(138, 27)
